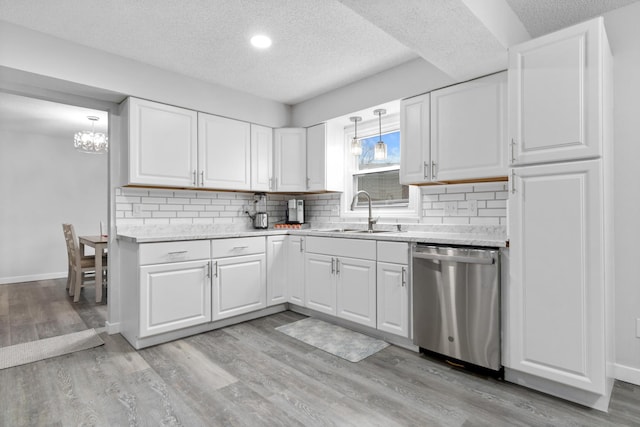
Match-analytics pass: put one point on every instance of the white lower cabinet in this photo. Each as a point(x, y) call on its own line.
point(356, 290)
point(277, 264)
point(174, 296)
point(558, 289)
point(239, 276)
point(295, 269)
point(338, 284)
point(320, 284)
point(393, 288)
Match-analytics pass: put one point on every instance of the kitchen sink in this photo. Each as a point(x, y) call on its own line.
point(349, 230)
point(367, 231)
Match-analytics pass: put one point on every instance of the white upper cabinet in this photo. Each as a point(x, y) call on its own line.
point(261, 158)
point(555, 95)
point(224, 153)
point(290, 149)
point(325, 158)
point(415, 162)
point(163, 143)
point(469, 129)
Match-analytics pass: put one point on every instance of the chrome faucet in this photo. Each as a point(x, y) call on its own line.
point(370, 219)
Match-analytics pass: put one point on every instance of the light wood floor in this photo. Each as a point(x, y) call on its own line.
point(252, 375)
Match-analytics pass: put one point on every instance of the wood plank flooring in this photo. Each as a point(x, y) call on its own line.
point(252, 375)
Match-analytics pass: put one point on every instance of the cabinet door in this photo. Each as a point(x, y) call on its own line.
point(174, 296)
point(276, 270)
point(415, 163)
point(320, 284)
point(295, 269)
point(469, 129)
point(163, 144)
point(290, 148)
point(224, 153)
point(316, 158)
point(239, 285)
point(393, 298)
point(261, 158)
point(555, 90)
point(556, 286)
point(356, 290)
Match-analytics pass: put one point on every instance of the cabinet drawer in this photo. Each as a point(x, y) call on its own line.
point(222, 248)
point(353, 248)
point(158, 253)
point(395, 252)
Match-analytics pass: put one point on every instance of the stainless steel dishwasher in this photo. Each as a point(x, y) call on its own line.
point(456, 303)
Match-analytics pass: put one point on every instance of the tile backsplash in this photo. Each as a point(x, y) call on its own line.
point(455, 204)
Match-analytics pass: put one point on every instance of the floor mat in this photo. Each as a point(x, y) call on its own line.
point(33, 351)
point(341, 342)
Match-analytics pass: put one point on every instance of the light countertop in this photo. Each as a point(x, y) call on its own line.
point(456, 235)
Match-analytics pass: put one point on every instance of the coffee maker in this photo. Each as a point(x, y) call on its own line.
point(295, 211)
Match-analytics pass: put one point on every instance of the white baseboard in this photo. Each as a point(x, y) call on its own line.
point(627, 374)
point(32, 277)
point(112, 328)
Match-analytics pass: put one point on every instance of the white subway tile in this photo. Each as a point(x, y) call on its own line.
point(161, 193)
point(134, 191)
point(452, 197)
point(489, 186)
point(502, 195)
point(492, 212)
point(156, 200)
point(433, 189)
point(193, 207)
point(127, 199)
point(144, 207)
point(189, 214)
point(208, 214)
point(124, 206)
point(163, 214)
point(481, 196)
point(484, 221)
point(171, 207)
point(214, 208)
point(207, 195)
point(496, 203)
point(459, 188)
point(200, 201)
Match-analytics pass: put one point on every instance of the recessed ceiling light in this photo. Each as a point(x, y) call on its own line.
point(261, 41)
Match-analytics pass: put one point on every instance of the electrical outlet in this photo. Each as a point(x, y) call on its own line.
point(137, 209)
point(472, 208)
point(451, 208)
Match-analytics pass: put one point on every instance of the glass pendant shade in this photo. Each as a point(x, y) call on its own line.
point(356, 145)
point(90, 141)
point(380, 150)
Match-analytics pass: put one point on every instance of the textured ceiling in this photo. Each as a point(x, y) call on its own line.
point(318, 45)
point(545, 16)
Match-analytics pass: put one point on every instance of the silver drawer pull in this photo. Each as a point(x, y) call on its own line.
point(177, 252)
point(240, 247)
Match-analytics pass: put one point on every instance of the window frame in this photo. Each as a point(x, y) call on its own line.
point(390, 123)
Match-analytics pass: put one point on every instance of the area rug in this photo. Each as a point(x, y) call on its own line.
point(333, 339)
point(33, 351)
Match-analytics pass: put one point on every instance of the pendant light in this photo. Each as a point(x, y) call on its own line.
point(380, 151)
point(356, 145)
point(90, 141)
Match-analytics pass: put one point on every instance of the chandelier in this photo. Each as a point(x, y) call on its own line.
point(90, 141)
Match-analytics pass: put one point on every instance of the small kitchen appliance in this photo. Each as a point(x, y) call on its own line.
point(295, 211)
point(260, 218)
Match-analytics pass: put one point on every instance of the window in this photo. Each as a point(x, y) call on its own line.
point(379, 178)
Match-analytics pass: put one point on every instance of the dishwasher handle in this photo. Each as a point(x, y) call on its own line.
point(455, 258)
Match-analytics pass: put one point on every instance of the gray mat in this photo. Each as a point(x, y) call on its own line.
point(33, 351)
point(333, 339)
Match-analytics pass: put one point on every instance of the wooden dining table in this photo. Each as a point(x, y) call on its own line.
point(99, 243)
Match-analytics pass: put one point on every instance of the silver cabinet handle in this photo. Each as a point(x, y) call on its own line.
point(215, 269)
point(433, 170)
point(271, 183)
point(194, 179)
point(404, 276)
point(308, 183)
point(425, 170)
point(513, 181)
point(337, 265)
point(239, 248)
point(177, 252)
point(301, 244)
point(513, 153)
point(202, 178)
point(208, 270)
point(333, 266)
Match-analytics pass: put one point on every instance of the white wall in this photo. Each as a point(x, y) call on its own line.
point(33, 52)
point(43, 183)
point(624, 36)
point(405, 80)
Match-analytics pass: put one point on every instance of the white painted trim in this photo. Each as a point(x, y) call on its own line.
point(32, 277)
point(627, 374)
point(112, 328)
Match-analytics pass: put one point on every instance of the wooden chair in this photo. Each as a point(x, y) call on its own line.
point(79, 264)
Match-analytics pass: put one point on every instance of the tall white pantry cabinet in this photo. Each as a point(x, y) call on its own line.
point(559, 319)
